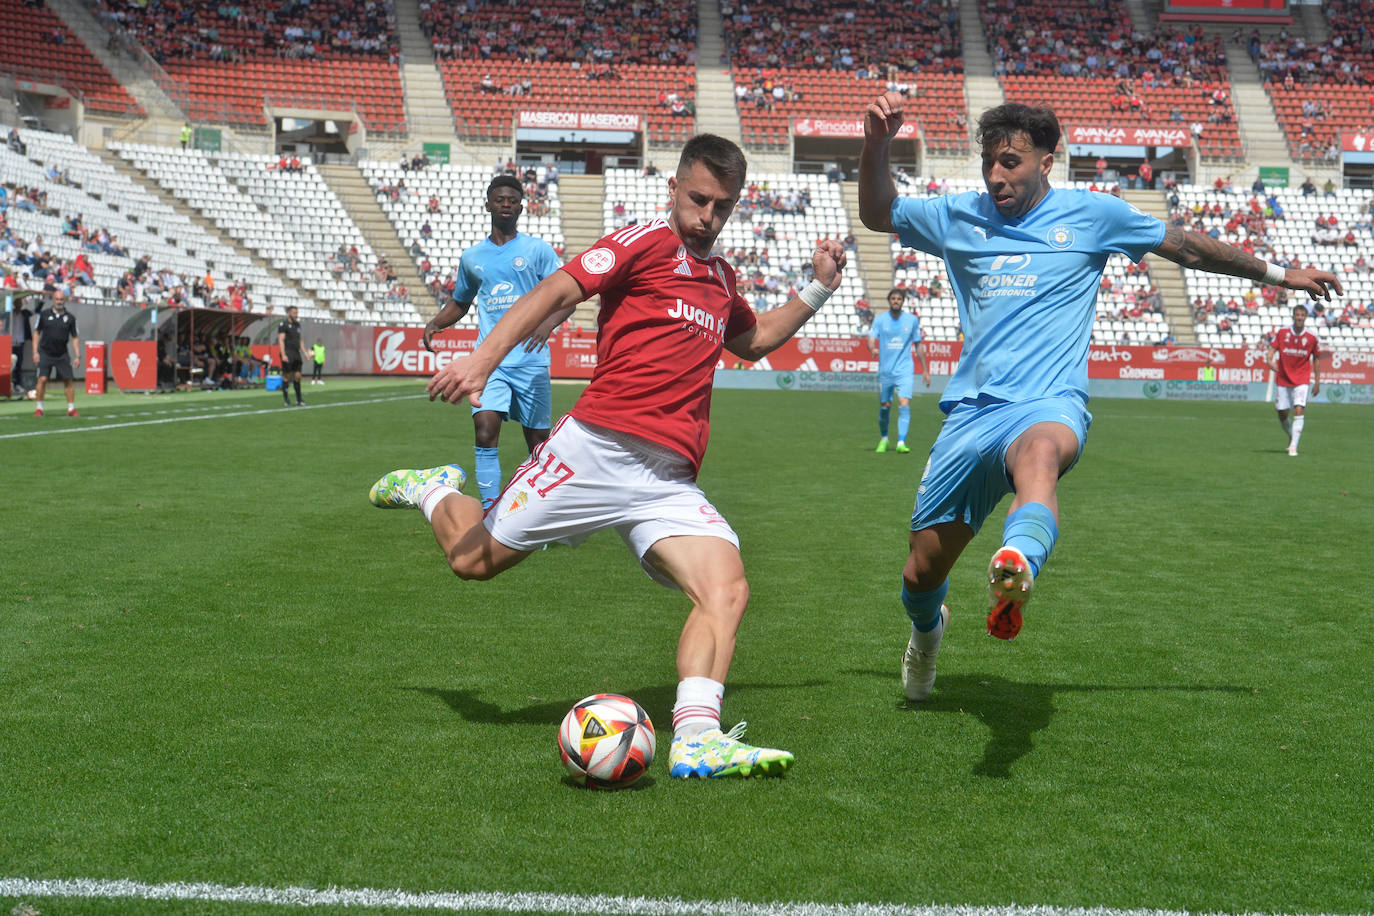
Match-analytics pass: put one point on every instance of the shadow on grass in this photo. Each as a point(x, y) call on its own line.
point(1014, 711)
point(657, 701)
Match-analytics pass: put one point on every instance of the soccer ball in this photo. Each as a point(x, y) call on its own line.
point(606, 741)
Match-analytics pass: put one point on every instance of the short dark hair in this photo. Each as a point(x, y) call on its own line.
point(1001, 124)
point(506, 181)
point(725, 160)
point(898, 290)
point(1301, 306)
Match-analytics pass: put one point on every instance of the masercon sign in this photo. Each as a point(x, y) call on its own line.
point(579, 120)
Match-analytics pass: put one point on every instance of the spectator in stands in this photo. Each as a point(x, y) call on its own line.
point(16, 143)
point(1308, 188)
point(865, 313)
point(426, 230)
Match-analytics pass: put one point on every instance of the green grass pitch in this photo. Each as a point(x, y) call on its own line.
point(219, 664)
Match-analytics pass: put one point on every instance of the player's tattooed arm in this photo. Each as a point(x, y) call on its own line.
point(1202, 252)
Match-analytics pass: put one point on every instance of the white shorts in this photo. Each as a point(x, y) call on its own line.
point(1285, 398)
point(585, 478)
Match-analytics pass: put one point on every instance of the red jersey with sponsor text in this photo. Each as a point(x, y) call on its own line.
point(665, 315)
point(1296, 354)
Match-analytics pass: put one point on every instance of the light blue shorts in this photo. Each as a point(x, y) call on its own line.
point(966, 475)
point(522, 394)
point(903, 385)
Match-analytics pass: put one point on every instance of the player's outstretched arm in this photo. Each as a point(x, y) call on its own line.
point(882, 119)
point(541, 334)
point(776, 327)
point(465, 378)
point(1202, 252)
point(448, 315)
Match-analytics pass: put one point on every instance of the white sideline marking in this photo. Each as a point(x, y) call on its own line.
point(513, 903)
point(220, 413)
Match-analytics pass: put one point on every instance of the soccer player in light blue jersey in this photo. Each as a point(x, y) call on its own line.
point(493, 274)
point(892, 339)
point(1024, 263)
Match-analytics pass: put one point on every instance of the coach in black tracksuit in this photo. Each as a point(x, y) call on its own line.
point(55, 332)
point(292, 356)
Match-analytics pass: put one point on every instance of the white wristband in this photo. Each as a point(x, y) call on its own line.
point(815, 295)
point(1274, 274)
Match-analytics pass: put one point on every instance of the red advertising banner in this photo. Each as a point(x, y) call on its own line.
point(579, 120)
point(133, 364)
point(841, 127)
point(1228, 366)
point(572, 355)
point(5, 365)
point(1357, 142)
point(95, 367)
point(1128, 136)
point(401, 351)
point(1279, 5)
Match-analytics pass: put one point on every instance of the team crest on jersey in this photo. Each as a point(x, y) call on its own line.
point(518, 262)
point(1060, 237)
point(518, 501)
point(598, 260)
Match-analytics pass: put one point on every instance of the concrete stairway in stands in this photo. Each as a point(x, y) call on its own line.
point(353, 192)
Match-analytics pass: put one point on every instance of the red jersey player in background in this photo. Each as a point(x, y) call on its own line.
point(1293, 357)
point(626, 456)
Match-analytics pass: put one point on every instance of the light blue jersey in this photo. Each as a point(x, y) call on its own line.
point(1027, 287)
point(492, 277)
point(895, 337)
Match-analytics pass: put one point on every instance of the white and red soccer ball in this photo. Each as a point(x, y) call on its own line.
point(606, 741)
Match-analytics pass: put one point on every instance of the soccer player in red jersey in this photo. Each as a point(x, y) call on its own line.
point(1293, 357)
point(626, 456)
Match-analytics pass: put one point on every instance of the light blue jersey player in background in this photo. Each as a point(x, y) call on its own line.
point(1024, 262)
point(892, 339)
point(493, 274)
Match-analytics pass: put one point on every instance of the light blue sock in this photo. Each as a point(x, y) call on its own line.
point(903, 421)
point(924, 607)
point(883, 414)
point(1033, 531)
point(487, 470)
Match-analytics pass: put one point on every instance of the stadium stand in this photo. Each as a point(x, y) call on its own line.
point(768, 240)
point(123, 224)
point(1294, 229)
point(1321, 90)
point(237, 57)
point(1086, 60)
point(799, 61)
point(289, 218)
point(488, 115)
point(35, 44)
point(1129, 308)
point(460, 219)
point(618, 56)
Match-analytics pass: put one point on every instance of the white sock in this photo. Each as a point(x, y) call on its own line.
point(698, 706)
point(431, 494)
point(38, 405)
point(929, 640)
point(1296, 434)
point(71, 405)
